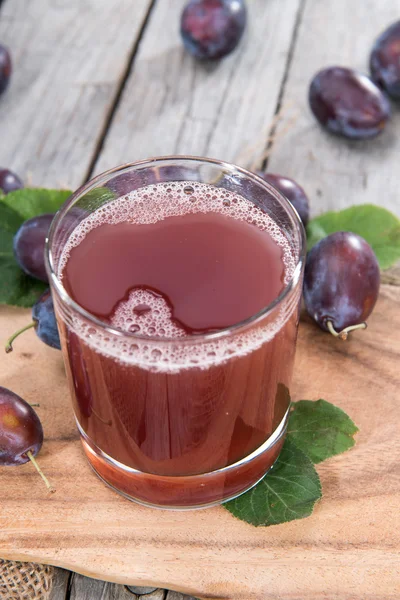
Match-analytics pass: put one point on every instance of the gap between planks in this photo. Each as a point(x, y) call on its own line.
point(275, 121)
point(68, 62)
point(174, 104)
point(117, 99)
point(73, 586)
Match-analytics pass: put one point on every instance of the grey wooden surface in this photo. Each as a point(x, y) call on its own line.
point(70, 58)
point(72, 586)
point(98, 83)
point(338, 173)
point(172, 104)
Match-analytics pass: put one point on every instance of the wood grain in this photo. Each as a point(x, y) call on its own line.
point(69, 58)
point(60, 588)
point(337, 173)
point(72, 586)
point(176, 596)
point(348, 549)
point(82, 588)
point(85, 588)
point(173, 104)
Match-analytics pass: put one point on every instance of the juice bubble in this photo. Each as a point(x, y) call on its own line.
point(146, 313)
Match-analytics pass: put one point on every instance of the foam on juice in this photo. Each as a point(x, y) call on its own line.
point(154, 340)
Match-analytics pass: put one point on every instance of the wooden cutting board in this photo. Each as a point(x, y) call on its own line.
point(348, 549)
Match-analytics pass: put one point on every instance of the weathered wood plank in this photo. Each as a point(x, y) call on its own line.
point(69, 58)
point(86, 588)
point(173, 104)
point(349, 547)
point(337, 173)
point(61, 580)
point(178, 596)
point(72, 586)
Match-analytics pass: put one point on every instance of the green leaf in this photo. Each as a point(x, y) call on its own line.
point(30, 202)
point(16, 288)
point(320, 429)
point(9, 223)
point(377, 225)
point(288, 492)
point(10, 220)
point(316, 431)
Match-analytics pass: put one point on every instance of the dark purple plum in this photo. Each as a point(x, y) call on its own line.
point(9, 181)
point(385, 60)
point(348, 103)
point(20, 429)
point(293, 192)
point(5, 68)
point(21, 433)
point(29, 243)
point(43, 321)
point(213, 28)
point(341, 282)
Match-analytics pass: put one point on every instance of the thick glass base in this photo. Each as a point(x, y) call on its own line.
point(186, 492)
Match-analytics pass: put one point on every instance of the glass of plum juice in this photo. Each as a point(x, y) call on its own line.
point(176, 285)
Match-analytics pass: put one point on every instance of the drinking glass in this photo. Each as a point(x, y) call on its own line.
point(179, 433)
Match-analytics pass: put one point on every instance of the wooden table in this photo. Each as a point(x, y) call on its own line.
point(99, 83)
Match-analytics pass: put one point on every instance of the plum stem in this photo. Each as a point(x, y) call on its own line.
point(9, 342)
point(343, 335)
point(39, 470)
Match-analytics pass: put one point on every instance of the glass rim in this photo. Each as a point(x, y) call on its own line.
point(93, 183)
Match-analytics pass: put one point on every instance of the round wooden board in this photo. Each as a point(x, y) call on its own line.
point(349, 548)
